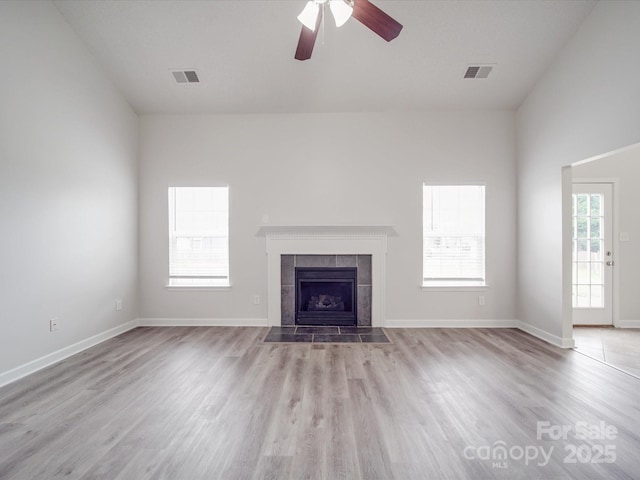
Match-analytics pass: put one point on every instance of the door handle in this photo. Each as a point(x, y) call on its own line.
point(610, 263)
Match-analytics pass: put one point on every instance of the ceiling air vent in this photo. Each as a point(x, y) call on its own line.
point(185, 76)
point(478, 71)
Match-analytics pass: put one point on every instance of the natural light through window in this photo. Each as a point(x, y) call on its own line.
point(588, 252)
point(453, 235)
point(198, 236)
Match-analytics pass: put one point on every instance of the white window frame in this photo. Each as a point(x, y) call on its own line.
point(477, 234)
point(213, 276)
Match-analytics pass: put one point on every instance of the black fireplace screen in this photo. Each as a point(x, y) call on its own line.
point(326, 296)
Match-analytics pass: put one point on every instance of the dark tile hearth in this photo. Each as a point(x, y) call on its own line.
point(318, 330)
point(288, 338)
point(348, 338)
point(304, 334)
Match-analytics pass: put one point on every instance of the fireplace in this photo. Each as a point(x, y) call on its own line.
point(361, 246)
point(326, 296)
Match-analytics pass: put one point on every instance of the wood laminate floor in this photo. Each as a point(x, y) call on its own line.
point(217, 403)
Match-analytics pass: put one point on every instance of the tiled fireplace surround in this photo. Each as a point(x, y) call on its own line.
point(366, 245)
point(287, 280)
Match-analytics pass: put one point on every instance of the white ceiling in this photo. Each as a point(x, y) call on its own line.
point(243, 52)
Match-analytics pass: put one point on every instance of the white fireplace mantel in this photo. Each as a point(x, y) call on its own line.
point(340, 230)
point(326, 240)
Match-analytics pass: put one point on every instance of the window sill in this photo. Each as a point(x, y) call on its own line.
point(453, 287)
point(198, 288)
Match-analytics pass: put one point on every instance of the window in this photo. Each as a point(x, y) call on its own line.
point(198, 236)
point(453, 235)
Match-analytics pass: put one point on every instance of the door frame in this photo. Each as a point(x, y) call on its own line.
point(615, 241)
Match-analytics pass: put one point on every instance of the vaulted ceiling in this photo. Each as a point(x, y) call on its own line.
point(243, 52)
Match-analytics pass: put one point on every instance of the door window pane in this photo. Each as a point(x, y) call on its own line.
point(595, 227)
point(595, 205)
point(583, 297)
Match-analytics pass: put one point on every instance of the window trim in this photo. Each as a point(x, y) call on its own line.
point(196, 288)
point(457, 287)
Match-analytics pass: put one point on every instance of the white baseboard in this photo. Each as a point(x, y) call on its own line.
point(203, 322)
point(546, 336)
point(482, 323)
point(629, 324)
point(39, 363)
point(463, 323)
point(42, 362)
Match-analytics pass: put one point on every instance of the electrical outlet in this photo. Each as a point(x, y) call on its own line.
point(265, 218)
point(118, 305)
point(54, 324)
point(256, 299)
point(481, 300)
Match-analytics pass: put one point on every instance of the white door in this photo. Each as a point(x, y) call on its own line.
point(593, 256)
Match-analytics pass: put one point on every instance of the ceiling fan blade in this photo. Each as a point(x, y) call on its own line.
point(308, 39)
point(375, 19)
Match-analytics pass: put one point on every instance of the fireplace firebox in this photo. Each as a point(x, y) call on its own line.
point(326, 296)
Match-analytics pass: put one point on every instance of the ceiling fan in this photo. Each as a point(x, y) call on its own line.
point(362, 10)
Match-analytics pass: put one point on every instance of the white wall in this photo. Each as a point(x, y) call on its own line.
point(585, 105)
point(68, 188)
point(624, 168)
point(327, 169)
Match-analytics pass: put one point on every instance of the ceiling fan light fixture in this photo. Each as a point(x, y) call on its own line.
point(341, 10)
point(309, 15)
point(363, 11)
